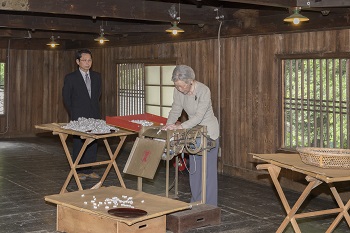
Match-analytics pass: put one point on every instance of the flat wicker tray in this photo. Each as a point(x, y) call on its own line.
point(325, 157)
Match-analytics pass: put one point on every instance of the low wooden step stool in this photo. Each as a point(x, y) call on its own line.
point(199, 216)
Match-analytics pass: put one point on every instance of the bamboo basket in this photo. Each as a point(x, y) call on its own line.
point(325, 157)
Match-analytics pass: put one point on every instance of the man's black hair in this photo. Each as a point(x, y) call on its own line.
point(81, 51)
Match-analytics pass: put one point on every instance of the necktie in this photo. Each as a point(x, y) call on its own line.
point(88, 83)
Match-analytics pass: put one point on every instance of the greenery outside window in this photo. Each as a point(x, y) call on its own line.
point(2, 88)
point(131, 89)
point(316, 103)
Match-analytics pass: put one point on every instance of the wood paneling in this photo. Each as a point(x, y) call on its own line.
point(250, 84)
point(35, 84)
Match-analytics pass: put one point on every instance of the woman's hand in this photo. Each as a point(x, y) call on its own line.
point(172, 127)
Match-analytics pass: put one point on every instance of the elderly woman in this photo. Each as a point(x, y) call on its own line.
point(194, 97)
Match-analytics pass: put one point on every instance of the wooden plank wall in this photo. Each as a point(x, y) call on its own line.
point(35, 84)
point(250, 84)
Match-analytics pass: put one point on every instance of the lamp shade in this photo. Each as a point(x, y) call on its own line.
point(296, 18)
point(52, 42)
point(174, 29)
point(101, 39)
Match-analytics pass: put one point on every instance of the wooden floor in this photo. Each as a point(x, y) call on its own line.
point(32, 168)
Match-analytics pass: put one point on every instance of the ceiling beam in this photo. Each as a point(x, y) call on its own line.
point(273, 3)
point(125, 9)
point(323, 3)
point(294, 3)
point(23, 34)
point(264, 25)
point(89, 26)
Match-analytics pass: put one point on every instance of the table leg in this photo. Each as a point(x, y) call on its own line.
point(72, 165)
point(176, 176)
point(204, 169)
point(167, 172)
point(344, 213)
point(113, 157)
point(63, 138)
point(274, 172)
point(139, 184)
point(291, 215)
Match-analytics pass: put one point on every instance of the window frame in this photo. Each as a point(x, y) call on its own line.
point(5, 87)
point(281, 75)
point(146, 62)
point(161, 85)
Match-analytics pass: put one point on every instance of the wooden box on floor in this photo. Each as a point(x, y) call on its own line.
point(71, 221)
point(198, 216)
point(86, 211)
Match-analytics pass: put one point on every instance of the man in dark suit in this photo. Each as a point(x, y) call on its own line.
point(81, 94)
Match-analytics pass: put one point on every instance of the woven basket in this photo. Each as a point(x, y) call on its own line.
point(325, 157)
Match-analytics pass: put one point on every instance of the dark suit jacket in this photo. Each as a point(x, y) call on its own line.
point(76, 96)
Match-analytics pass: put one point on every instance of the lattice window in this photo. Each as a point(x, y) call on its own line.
point(2, 88)
point(131, 89)
point(316, 103)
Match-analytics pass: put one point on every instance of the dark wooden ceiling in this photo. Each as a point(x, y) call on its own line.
point(75, 23)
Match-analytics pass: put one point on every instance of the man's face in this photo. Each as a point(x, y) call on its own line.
point(84, 62)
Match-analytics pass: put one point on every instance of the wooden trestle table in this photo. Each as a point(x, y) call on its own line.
point(315, 176)
point(57, 129)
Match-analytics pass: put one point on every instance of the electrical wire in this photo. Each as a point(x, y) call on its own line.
point(197, 148)
point(220, 19)
point(219, 75)
point(184, 162)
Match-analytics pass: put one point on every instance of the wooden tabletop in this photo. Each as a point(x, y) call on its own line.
point(293, 162)
point(57, 128)
point(154, 205)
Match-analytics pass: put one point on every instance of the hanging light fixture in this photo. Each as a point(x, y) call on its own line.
point(174, 29)
point(52, 42)
point(296, 17)
point(101, 39)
